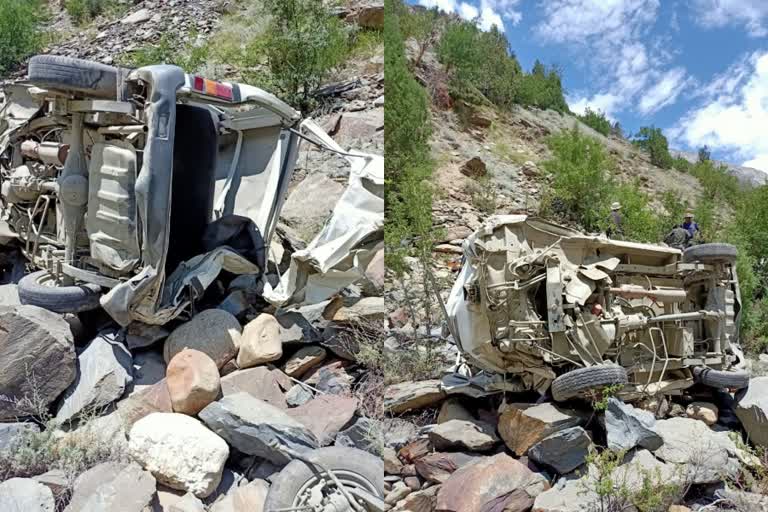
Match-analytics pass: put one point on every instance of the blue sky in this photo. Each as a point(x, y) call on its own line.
point(696, 68)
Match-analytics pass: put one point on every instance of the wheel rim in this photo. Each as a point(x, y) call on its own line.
point(48, 280)
point(320, 491)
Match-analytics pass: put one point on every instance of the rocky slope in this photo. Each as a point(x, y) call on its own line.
point(746, 175)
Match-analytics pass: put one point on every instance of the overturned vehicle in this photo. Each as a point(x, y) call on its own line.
point(131, 189)
point(541, 307)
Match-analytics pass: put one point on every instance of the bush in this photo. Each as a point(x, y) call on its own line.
point(653, 141)
point(19, 31)
point(303, 42)
point(168, 50)
point(484, 194)
point(82, 11)
point(597, 121)
point(542, 88)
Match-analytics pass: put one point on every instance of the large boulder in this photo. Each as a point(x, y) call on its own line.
point(437, 467)
point(37, 359)
point(364, 434)
point(304, 359)
point(154, 398)
point(260, 342)
point(260, 382)
point(406, 396)
point(463, 435)
point(193, 381)
point(307, 217)
point(13, 433)
point(563, 451)
point(104, 370)
point(752, 410)
point(213, 331)
point(25, 494)
point(499, 481)
point(627, 427)
point(179, 451)
point(113, 486)
point(252, 425)
point(325, 415)
point(705, 455)
point(523, 425)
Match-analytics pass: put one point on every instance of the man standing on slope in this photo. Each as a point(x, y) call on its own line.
point(690, 226)
point(614, 228)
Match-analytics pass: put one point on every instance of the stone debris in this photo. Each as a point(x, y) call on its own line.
point(193, 381)
point(752, 410)
point(523, 425)
point(213, 332)
point(627, 427)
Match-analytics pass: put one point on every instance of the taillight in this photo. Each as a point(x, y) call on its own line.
point(212, 88)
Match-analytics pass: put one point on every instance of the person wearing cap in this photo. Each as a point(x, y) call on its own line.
point(690, 226)
point(614, 228)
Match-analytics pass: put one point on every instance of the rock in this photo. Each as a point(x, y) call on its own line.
point(298, 395)
point(303, 359)
point(398, 492)
point(193, 381)
point(250, 425)
point(499, 480)
point(423, 500)
point(529, 169)
point(365, 309)
point(307, 217)
point(246, 498)
point(303, 325)
point(448, 249)
point(656, 405)
point(261, 342)
point(374, 274)
point(325, 415)
point(627, 427)
point(437, 467)
point(113, 486)
point(37, 356)
point(464, 435)
point(415, 449)
point(259, 382)
point(139, 16)
point(213, 332)
point(707, 456)
point(678, 508)
point(236, 304)
point(369, 15)
point(105, 369)
point(407, 396)
point(474, 168)
point(455, 233)
point(397, 432)
point(703, 411)
point(751, 409)
point(188, 503)
point(151, 399)
point(25, 494)
point(331, 379)
point(392, 464)
point(364, 434)
point(179, 451)
point(9, 295)
point(523, 425)
point(13, 433)
point(413, 482)
point(563, 451)
point(453, 410)
point(106, 432)
point(56, 480)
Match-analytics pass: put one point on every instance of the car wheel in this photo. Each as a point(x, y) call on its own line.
point(710, 253)
point(41, 289)
point(721, 379)
point(68, 74)
point(299, 483)
point(595, 377)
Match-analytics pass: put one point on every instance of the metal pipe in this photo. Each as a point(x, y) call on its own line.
point(696, 315)
point(122, 129)
point(50, 153)
point(638, 292)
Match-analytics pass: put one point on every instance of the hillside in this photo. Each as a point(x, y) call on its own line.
point(746, 175)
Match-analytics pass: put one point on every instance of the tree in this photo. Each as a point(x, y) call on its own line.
point(653, 141)
point(422, 26)
point(303, 42)
point(596, 120)
point(704, 154)
point(19, 30)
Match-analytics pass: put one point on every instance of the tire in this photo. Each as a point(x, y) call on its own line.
point(369, 471)
point(572, 383)
point(68, 74)
point(714, 253)
point(59, 299)
point(721, 379)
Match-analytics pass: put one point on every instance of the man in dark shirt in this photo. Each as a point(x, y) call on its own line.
point(690, 226)
point(614, 229)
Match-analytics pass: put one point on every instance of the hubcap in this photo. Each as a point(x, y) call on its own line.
point(320, 494)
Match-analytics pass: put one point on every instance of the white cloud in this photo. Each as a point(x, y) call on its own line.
point(605, 102)
point(486, 14)
point(665, 92)
point(614, 37)
point(752, 14)
point(732, 116)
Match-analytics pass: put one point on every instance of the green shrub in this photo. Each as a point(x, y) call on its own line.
point(653, 141)
point(303, 42)
point(597, 121)
point(542, 88)
point(19, 31)
point(421, 25)
point(169, 49)
point(82, 11)
point(484, 194)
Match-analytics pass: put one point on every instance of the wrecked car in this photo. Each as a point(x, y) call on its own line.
point(131, 189)
point(542, 307)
